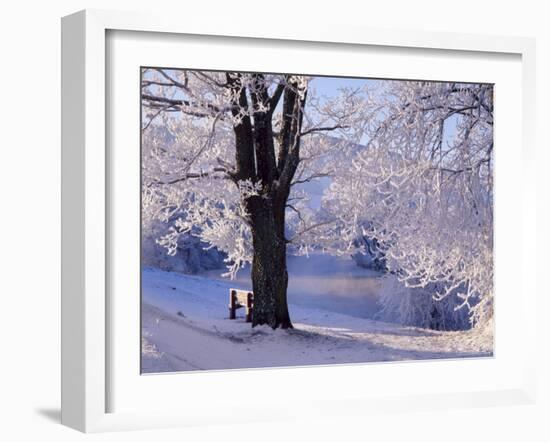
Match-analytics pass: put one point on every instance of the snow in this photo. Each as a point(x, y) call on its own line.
point(185, 324)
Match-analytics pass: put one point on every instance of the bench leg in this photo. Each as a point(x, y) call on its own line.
point(232, 298)
point(249, 307)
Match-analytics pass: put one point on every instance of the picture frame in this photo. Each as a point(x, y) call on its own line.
point(87, 314)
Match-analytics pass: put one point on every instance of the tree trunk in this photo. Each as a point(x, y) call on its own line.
point(269, 272)
point(256, 161)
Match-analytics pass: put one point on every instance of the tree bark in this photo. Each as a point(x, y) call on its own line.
point(269, 271)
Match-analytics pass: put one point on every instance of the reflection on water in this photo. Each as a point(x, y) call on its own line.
point(326, 282)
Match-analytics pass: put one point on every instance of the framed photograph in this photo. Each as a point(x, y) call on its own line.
point(287, 222)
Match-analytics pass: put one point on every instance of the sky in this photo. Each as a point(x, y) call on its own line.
point(329, 85)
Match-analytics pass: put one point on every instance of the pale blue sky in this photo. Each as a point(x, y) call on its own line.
point(329, 85)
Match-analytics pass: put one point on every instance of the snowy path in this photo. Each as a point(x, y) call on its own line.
point(185, 327)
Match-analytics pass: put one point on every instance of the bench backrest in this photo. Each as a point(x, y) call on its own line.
point(242, 295)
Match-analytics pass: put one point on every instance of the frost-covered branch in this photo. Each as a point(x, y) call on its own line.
point(423, 190)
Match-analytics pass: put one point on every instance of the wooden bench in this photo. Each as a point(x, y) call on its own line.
point(241, 298)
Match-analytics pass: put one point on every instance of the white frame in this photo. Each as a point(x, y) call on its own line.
point(84, 312)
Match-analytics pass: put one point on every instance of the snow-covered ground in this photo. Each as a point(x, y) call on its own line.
point(185, 325)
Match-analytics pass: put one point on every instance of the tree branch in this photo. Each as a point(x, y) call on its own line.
point(174, 81)
point(312, 227)
point(324, 129)
point(193, 175)
point(161, 109)
point(210, 79)
point(274, 100)
point(311, 177)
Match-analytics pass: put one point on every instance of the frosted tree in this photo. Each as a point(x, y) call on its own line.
point(423, 189)
point(229, 161)
point(225, 156)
